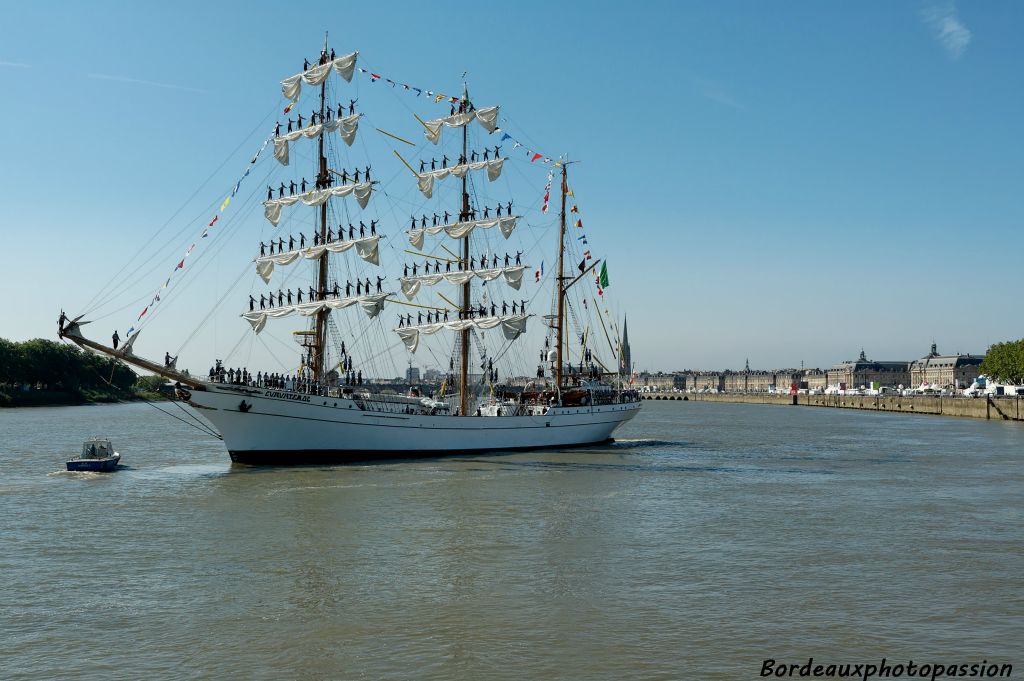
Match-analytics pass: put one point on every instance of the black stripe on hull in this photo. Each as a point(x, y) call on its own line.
point(314, 457)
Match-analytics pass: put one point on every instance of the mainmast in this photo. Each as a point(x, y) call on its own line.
point(320, 339)
point(561, 284)
point(466, 287)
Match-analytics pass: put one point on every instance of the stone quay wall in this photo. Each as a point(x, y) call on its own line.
point(998, 408)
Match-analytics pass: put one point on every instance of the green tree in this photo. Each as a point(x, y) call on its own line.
point(149, 383)
point(10, 362)
point(50, 365)
point(1004, 362)
point(47, 364)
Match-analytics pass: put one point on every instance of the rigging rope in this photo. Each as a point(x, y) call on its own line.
point(201, 427)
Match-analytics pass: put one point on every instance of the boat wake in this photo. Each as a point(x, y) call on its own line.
point(640, 443)
point(82, 475)
point(314, 488)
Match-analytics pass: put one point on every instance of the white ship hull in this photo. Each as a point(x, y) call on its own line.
point(269, 426)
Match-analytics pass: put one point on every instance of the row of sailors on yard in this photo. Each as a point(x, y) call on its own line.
point(443, 219)
point(473, 157)
point(590, 371)
point(587, 356)
point(478, 313)
point(317, 117)
point(237, 376)
point(280, 381)
point(461, 266)
point(316, 237)
point(321, 182)
point(325, 57)
point(282, 298)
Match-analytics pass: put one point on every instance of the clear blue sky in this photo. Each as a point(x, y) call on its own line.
point(781, 181)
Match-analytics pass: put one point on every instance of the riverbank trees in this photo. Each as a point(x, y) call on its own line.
point(41, 371)
point(1004, 362)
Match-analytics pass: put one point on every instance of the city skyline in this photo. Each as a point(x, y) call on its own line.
point(782, 186)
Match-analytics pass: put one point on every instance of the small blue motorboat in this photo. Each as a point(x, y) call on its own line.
point(97, 455)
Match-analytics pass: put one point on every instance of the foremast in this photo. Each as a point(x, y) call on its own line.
point(320, 337)
point(467, 286)
point(560, 320)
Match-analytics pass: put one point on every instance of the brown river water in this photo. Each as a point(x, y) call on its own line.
point(708, 538)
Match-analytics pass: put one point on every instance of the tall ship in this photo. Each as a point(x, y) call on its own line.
point(527, 356)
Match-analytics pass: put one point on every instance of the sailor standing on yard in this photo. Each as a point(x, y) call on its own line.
point(116, 339)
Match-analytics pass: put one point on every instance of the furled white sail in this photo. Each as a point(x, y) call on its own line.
point(513, 277)
point(488, 118)
point(291, 87)
point(367, 249)
point(512, 326)
point(371, 304)
point(272, 208)
point(457, 230)
point(346, 127)
point(425, 180)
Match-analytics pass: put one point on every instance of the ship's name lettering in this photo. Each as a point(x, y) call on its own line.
point(286, 396)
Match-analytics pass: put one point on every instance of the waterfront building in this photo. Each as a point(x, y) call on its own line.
point(785, 378)
point(864, 372)
point(814, 379)
point(734, 381)
point(709, 380)
point(945, 371)
point(747, 381)
point(657, 382)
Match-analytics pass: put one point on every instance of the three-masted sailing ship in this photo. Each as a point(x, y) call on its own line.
point(328, 411)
